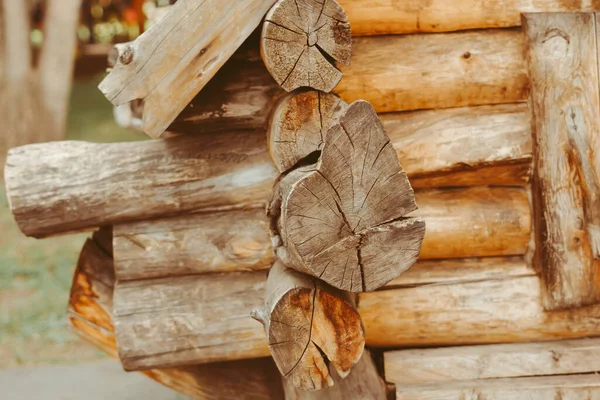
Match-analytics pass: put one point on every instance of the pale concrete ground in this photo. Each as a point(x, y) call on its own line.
point(104, 380)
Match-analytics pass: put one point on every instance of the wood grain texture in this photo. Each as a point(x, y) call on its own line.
point(384, 17)
point(565, 104)
point(55, 188)
point(436, 70)
point(175, 58)
point(492, 311)
point(425, 366)
point(474, 222)
point(67, 186)
point(338, 220)
point(302, 39)
point(191, 319)
point(298, 126)
point(90, 316)
point(236, 240)
point(312, 329)
point(565, 387)
point(363, 382)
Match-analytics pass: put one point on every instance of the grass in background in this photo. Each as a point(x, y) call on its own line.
point(35, 275)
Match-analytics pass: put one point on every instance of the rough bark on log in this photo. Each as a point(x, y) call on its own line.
point(563, 67)
point(567, 387)
point(363, 382)
point(56, 188)
point(343, 219)
point(502, 310)
point(476, 222)
point(309, 325)
point(399, 16)
point(173, 61)
point(298, 126)
point(425, 366)
point(90, 316)
point(299, 40)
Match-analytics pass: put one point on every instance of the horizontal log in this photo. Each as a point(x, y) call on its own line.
point(396, 16)
point(90, 309)
point(474, 222)
point(178, 320)
point(63, 187)
point(394, 73)
point(430, 366)
point(568, 387)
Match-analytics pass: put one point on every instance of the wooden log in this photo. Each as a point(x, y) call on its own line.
point(55, 188)
point(563, 65)
point(396, 16)
point(309, 325)
point(90, 316)
point(201, 318)
point(337, 220)
point(567, 387)
point(476, 222)
point(363, 382)
point(426, 366)
point(174, 60)
point(298, 126)
point(476, 68)
point(236, 240)
point(301, 40)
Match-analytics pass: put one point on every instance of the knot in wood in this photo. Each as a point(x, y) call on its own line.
point(127, 55)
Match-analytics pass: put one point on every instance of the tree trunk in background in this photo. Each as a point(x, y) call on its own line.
point(34, 100)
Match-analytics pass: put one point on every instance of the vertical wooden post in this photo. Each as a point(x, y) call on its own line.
point(563, 70)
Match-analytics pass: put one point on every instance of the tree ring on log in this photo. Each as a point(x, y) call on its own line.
point(301, 40)
point(309, 324)
point(343, 218)
point(298, 124)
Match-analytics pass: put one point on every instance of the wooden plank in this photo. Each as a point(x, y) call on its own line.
point(565, 387)
point(565, 104)
point(368, 17)
point(90, 316)
point(473, 222)
point(429, 366)
point(173, 61)
point(57, 188)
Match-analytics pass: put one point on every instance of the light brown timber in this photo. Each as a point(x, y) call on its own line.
point(363, 382)
point(343, 219)
point(384, 17)
point(90, 316)
point(426, 366)
point(174, 60)
point(302, 39)
point(565, 387)
point(298, 125)
point(565, 109)
point(312, 328)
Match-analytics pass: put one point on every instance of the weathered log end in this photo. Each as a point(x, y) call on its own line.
point(342, 219)
point(302, 39)
point(308, 325)
point(298, 125)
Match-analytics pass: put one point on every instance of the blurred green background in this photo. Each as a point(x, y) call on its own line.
point(35, 275)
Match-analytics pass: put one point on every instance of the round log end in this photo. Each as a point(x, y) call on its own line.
point(310, 328)
point(298, 125)
point(301, 41)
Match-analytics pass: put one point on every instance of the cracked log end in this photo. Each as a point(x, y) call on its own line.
point(301, 40)
point(343, 219)
point(308, 326)
point(298, 124)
